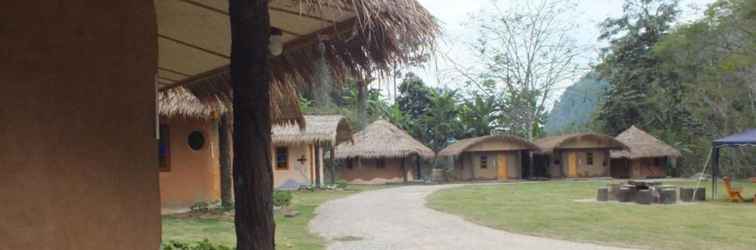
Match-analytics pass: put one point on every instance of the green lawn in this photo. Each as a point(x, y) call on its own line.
point(550, 209)
point(291, 233)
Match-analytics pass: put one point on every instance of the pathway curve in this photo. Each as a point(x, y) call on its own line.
point(396, 218)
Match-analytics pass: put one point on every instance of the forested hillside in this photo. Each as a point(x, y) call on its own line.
point(574, 109)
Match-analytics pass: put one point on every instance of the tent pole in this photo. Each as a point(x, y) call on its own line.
point(714, 171)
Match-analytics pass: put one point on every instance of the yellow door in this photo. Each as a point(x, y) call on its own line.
point(503, 167)
point(572, 165)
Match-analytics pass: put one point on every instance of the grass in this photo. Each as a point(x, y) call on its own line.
point(291, 233)
point(550, 209)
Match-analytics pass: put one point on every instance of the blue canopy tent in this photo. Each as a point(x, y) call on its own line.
point(746, 138)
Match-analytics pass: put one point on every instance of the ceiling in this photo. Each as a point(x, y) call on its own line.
point(194, 37)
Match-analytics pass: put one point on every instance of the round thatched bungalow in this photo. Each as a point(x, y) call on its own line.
point(575, 155)
point(489, 157)
point(648, 157)
point(188, 149)
point(381, 153)
point(189, 144)
point(298, 153)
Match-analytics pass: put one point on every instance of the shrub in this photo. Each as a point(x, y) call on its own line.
point(201, 245)
point(341, 184)
point(282, 198)
point(200, 207)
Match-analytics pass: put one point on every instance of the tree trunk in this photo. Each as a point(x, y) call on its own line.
point(362, 103)
point(225, 133)
point(251, 79)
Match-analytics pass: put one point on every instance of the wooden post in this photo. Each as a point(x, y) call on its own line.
point(404, 170)
point(333, 164)
point(317, 165)
point(418, 175)
point(251, 80)
point(225, 139)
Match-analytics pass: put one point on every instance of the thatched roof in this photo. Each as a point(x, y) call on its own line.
point(381, 139)
point(333, 129)
point(182, 103)
point(462, 145)
point(359, 37)
point(642, 145)
point(548, 144)
point(208, 98)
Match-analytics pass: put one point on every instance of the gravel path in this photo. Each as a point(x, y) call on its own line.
point(396, 218)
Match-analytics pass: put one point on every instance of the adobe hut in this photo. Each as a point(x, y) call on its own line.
point(575, 155)
point(188, 155)
point(489, 157)
point(298, 154)
point(648, 157)
point(189, 144)
point(380, 154)
point(79, 118)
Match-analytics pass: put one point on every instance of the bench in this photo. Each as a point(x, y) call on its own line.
point(732, 192)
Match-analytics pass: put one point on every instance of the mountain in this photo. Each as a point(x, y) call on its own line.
point(574, 109)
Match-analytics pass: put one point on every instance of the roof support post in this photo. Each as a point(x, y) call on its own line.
point(333, 164)
point(251, 83)
point(418, 175)
point(318, 167)
point(225, 136)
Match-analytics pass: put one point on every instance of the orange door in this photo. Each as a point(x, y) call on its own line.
point(501, 163)
point(572, 164)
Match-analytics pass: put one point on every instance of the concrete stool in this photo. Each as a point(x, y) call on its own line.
point(603, 194)
point(644, 197)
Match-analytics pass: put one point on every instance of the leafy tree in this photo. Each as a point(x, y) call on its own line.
point(441, 123)
point(715, 61)
point(479, 116)
point(525, 50)
point(632, 69)
point(414, 98)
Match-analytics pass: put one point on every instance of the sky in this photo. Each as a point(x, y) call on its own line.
point(454, 16)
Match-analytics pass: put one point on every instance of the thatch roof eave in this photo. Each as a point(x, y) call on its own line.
point(381, 139)
point(461, 146)
point(642, 145)
point(547, 145)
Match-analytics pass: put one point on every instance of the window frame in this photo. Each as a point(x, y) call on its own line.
point(589, 158)
point(285, 164)
point(202, 137)
point(483, 161)
point(164, 138)
point(380, 163)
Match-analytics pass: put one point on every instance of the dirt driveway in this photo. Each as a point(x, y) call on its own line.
point(396, 218)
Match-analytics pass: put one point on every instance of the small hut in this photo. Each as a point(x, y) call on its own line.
point(189, 141)
point(489, 157)
point(380, 154)
point(575, 155)
point(298, 153)
point(188, 149)
point(647, 157)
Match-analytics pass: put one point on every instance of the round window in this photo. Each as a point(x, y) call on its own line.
point(196, 140)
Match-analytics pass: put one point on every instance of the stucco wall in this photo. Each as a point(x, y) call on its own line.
point(367, 172)
point(469, 167)
point(298, 173)
point(194, 175)
point(77, 108)
point(599, 168)
point(648, 167)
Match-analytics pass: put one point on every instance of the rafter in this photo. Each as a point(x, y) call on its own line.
point(212, 52)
